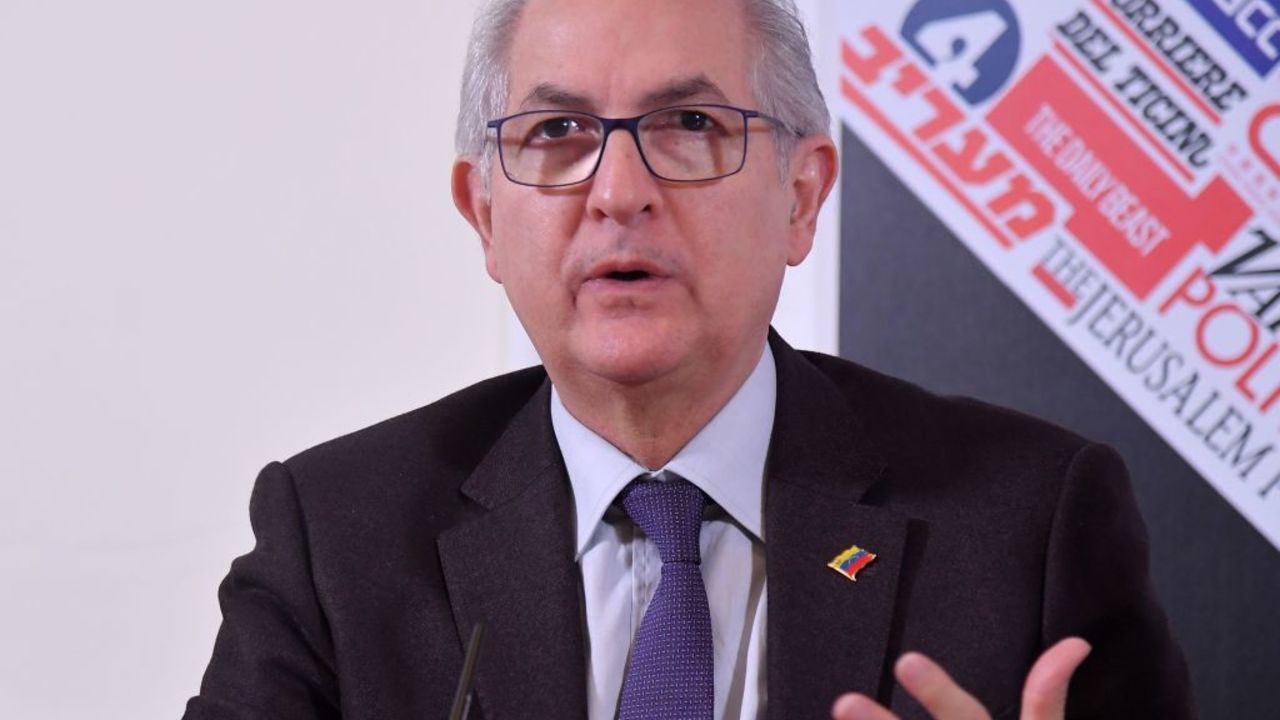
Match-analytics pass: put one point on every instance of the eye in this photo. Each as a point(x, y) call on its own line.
point(695, 121)
point(556, 128)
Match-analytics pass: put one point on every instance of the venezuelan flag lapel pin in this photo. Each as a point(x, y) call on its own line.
point(849, 562)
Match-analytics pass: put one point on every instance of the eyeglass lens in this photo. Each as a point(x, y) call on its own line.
point(693, 142)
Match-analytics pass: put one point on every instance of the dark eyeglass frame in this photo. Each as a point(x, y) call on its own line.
point(632, 126)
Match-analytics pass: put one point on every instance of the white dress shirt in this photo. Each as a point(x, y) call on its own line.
point(621, 567)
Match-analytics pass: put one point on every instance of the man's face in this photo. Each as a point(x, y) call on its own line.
point(627, 277)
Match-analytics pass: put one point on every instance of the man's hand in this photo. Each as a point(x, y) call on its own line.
point(1044, 696)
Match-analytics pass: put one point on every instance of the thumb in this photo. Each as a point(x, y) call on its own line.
point(1044, 696)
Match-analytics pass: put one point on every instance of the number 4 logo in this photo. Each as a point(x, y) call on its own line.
point(972, 44)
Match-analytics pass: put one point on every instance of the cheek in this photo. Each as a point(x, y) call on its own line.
point(750, 237)
point(744, 249)
point(530, 235)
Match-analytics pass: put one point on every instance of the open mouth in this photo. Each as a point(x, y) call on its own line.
point(625, 276)
point(628, 275)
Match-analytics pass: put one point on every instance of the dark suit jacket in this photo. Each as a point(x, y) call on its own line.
point(996, 535)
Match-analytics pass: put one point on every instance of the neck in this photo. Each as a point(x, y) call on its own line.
point(652, 421)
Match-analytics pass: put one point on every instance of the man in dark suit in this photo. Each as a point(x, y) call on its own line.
point(645, 265)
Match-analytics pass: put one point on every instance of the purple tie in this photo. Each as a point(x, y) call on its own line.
point(671, 675)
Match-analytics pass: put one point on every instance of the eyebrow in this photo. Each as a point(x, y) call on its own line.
point(547, 94)
point(698, 86)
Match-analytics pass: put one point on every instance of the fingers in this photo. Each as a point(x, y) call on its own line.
point(935, 690)
point(928, 683)
point(1044, 696)
point(852, 706)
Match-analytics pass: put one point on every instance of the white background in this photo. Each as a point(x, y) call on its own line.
point(225, 236)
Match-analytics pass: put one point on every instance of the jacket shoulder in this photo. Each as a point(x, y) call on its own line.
point(917, 426)
point(448, 437)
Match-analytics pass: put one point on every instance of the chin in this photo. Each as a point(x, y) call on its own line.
point(631, 357)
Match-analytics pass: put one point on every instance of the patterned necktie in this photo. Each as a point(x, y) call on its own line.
point(671, 675)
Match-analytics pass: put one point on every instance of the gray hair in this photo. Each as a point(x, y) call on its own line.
point(782, 78)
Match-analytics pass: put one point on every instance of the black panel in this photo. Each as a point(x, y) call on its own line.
point(917, 304)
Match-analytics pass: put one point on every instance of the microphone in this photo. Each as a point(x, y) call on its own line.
point(462, 696)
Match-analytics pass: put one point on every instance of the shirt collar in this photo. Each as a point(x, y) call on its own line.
point(725, 459)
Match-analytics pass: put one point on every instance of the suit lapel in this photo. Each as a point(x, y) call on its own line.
point(826, 634)
point(513, 568)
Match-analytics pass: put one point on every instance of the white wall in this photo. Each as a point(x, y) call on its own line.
point(225, 235)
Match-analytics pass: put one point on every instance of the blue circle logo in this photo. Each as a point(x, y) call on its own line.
point(972, 45)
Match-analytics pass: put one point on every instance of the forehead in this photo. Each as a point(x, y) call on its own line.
point(617, 54)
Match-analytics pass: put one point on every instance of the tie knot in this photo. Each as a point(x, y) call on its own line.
point(668, 509)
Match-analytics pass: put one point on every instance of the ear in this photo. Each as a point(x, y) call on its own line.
point(814, 165)
point(476, 205)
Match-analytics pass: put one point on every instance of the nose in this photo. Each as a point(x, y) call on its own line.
point(622, 189)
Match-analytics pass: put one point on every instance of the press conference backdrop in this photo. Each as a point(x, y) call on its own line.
point(1072, 207)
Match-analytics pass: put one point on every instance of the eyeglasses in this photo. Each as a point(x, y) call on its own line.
point(686, 143)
